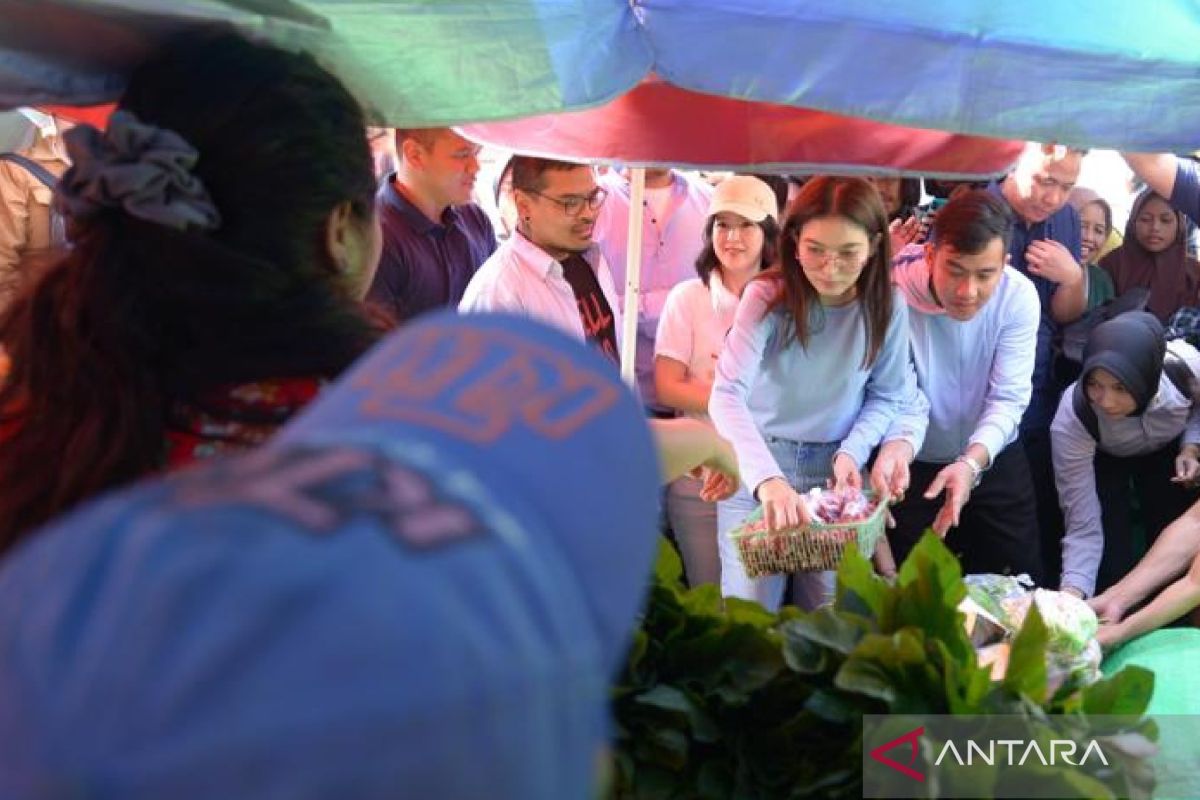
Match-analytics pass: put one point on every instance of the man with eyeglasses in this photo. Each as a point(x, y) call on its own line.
point(1046, 248)
point(434, 236)
point(676, 208)
point(551, 268)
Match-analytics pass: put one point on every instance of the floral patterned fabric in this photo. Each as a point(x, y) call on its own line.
point(234, 418)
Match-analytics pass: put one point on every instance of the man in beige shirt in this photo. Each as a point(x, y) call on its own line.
point(26, 222)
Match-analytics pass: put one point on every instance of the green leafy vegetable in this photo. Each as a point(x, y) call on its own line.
point(726, 700)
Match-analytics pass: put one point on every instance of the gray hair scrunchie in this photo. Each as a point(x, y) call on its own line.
point(138, 168)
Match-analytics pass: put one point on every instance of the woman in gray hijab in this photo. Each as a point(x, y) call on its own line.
point(1129, 419)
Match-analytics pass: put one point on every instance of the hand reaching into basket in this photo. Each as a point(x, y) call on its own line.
point(783, 507)
point(846, 474)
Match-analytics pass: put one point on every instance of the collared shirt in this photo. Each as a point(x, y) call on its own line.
point(1167, 416)
point(670, 245)
point(1063, 227)
point(426, 264)
point(693, 326)
point(969, 404)
point(769, 386)
point(523, 278)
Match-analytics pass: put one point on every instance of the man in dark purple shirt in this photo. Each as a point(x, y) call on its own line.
point(434, 237)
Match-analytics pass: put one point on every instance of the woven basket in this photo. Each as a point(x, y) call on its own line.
point(816, 548)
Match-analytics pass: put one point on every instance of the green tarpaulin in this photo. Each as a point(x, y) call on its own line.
point(1173, 655)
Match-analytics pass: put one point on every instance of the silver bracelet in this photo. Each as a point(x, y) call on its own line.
point(976, 469)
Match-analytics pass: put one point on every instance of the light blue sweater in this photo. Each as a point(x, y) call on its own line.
point(767, 387)
point(976, 374)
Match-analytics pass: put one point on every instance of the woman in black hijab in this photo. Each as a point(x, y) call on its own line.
point(1128, 419)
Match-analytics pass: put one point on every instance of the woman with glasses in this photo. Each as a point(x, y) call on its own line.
point(812, 374)
point(741, 237)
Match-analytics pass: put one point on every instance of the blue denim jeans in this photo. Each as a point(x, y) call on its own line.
point(804, 465)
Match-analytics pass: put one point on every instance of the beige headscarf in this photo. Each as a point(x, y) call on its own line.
point(1080, 198)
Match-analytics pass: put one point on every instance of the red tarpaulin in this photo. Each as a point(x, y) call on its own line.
point(660, 124)
point(92, 115)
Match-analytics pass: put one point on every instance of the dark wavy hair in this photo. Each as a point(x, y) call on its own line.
point(858, 201)
point(972, 220)
point(137, 316)
point(707, 261)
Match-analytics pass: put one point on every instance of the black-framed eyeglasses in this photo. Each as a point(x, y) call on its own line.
point(572, 206)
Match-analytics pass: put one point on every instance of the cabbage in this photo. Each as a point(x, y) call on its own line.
point(1070, 623)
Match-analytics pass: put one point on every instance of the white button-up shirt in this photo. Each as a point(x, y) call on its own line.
point(523, 278)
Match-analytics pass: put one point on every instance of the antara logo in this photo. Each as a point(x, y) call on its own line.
point(1061, 751)
point(1012, 753)
point(911, 738)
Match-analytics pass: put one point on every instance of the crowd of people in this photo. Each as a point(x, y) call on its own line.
point(238, 282)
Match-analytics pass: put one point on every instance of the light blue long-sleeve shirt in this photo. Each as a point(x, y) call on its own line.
point(1169, 415)
point(976, 374)
point(768, 387)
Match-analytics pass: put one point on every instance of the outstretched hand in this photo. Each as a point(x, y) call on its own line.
point(955, 480)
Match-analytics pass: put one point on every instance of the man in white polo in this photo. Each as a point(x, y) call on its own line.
point(973, 323)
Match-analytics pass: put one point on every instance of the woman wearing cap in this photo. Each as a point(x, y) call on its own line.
point(1127, 418)
point(812, 373)
point(741, 238)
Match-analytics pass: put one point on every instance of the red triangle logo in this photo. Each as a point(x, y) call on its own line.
point(911, 738)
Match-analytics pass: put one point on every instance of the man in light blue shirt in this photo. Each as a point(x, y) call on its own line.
point(973, 324)
point(676, 208)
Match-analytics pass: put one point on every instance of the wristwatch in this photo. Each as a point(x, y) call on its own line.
point(976, 468)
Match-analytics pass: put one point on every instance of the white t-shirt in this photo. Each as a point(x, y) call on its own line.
point(693, 326)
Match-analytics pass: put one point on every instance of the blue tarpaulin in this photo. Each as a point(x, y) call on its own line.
point(1106, 73)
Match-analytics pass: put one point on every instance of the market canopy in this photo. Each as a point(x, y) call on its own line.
point(1105, 74)
point(657, 124)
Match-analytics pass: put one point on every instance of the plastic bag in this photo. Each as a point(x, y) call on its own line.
point(993, 591)
point(1072, 653)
